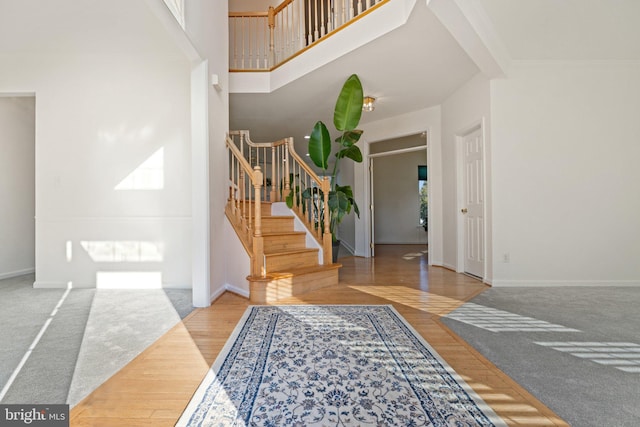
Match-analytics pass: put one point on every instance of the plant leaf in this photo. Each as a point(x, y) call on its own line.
point(320, 145)
point(352, 152)
point(349, 138)
point(348, 110)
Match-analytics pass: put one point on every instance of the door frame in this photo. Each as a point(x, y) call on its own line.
point(370, 252)
point(460, 203)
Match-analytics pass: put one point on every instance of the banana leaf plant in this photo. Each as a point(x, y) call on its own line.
point(346, 117)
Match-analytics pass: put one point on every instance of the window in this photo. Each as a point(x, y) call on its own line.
point(424, 196)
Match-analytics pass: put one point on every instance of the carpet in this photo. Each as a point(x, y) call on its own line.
point(332, 365)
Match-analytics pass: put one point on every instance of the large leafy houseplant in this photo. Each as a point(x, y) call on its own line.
point(346, 117)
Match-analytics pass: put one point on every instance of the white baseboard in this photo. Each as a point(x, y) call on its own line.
point(450, 266)
point(237, 290)
point(563, 283)
point(17, 273)
point(217, 293)
point(231, 288)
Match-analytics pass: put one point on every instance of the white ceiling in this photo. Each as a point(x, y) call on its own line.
point(415, 66)
point(567, 29)
point(420, 64)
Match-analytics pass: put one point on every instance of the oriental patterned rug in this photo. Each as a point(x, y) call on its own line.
point(334, 365)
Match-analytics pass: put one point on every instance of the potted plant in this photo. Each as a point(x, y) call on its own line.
point(346, 117)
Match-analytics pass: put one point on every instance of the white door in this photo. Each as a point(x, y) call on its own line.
point(372, 222)
point(473, 209)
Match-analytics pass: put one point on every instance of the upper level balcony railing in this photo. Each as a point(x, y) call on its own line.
point(264, 40)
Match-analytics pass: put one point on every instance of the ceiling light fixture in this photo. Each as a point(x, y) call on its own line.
point(367, 103)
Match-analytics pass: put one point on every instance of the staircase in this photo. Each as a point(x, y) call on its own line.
point(290, 250)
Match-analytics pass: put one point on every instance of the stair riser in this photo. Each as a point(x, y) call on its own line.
point(262, 292)
point(290, 261)
point(277, 225)
point(290, 241)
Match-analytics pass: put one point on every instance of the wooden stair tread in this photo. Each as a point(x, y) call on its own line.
point(298, 271)
point(290, 251)
point(282, 233)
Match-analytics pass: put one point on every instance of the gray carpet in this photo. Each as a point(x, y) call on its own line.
point(576, 349)
point(91, 335)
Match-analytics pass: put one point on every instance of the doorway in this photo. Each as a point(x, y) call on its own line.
point(396, 214)
point(17, 185)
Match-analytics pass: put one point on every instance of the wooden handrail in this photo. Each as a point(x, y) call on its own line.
point(290, 28)
point(290, 177)
point(243, 162)
point(248, 14)
point(282, 5)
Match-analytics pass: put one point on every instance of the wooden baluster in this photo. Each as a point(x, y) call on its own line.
point(287, 183)
point(241, 194)
point(274, 165)
point(290, 50)
point(359, 7)
point(237, 190)
point(234, 22)
point(315, 28)
point(272, 25)
point(322, 28)
point(297, 19)
point(308, 26)
point(242, 44)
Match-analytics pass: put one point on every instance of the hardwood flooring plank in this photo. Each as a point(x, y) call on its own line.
point(156, 386)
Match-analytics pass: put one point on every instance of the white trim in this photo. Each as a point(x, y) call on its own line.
point(368, 183)
point(237, 290)
point(460, 238)
point(449, 266)
point(564, 283)
point(229, 288)
point(200, 228)
point(399, 151)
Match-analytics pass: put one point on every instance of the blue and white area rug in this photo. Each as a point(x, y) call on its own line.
point(335, 365)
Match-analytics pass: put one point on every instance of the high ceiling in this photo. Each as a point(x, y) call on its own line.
point(413, 67)
point(419, 64)
point(567, 29)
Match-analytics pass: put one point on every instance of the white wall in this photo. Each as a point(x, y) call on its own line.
point(407, 124)
point(207, 27)
point(396, 198)
point(98, 118)
point(465, 108)
point(565, 174)
point(17, 185)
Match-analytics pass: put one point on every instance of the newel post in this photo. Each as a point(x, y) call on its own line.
point(258, 267)
point(327, 240)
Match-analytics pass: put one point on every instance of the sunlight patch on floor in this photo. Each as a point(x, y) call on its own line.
point(495, 320)
point(413, 298)
point(624, 356)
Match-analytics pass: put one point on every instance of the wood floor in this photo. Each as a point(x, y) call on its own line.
point(154, 388)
